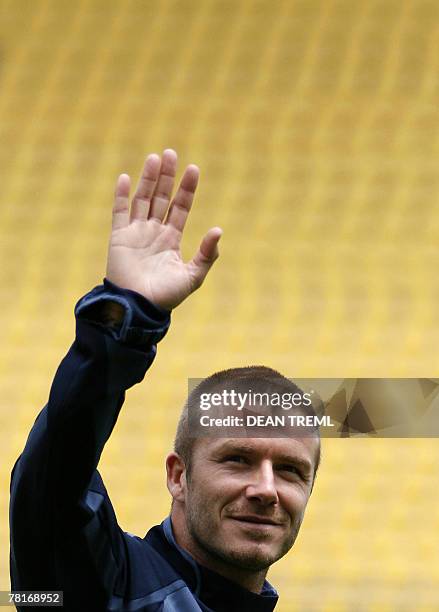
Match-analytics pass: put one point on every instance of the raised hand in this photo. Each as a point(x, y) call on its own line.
point(144, 251)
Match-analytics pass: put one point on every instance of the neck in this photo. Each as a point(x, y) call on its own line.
point(252, 580)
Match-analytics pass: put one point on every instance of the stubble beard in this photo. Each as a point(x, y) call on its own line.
point(204, 533)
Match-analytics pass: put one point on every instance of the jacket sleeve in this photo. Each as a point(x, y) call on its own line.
point(64, 533)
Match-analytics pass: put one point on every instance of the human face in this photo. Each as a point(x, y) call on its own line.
point(246, 497)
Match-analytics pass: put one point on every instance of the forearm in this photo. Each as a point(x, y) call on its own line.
point(89, 386)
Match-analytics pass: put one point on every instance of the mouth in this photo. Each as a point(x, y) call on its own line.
point(256, 521)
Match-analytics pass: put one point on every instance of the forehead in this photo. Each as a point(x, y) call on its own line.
point(304, 450)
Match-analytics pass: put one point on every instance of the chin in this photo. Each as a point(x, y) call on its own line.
point(255, 558)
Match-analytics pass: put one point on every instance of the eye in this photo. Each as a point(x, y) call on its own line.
point(290, 469)
point(235, 458)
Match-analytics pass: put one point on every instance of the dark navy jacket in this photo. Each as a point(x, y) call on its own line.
point(64, 532)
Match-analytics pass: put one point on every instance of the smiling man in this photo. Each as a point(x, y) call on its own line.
point(238, 501)
point(240, 507)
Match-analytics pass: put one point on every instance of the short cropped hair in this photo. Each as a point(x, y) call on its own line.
point(259, 378)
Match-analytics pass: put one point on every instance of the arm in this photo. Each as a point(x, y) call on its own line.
point(64, 533)
point(63, 527)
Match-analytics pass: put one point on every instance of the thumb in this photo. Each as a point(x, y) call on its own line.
point(206, 255)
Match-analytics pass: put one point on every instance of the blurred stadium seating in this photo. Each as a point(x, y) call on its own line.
point(314, 123)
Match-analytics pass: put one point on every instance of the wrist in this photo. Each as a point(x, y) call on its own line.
point(108, 313)
point(126, 315)
point(112, 313)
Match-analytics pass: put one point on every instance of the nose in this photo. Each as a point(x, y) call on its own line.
point(263, 487)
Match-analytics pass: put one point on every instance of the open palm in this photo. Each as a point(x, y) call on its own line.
point(144, 251)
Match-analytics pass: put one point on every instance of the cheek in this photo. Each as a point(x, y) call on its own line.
point(201, 490)
point(293, 500)
point(212, 492)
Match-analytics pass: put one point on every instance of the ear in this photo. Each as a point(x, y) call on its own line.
point(176, 477)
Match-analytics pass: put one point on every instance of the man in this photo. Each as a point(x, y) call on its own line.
point(237, 503)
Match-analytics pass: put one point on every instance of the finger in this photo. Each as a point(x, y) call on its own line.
point(182, 202)
point(121, 206)
point(165, 185)
point(206, 255)
point(145, 188)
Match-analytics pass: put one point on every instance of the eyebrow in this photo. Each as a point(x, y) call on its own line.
point(233, 447)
